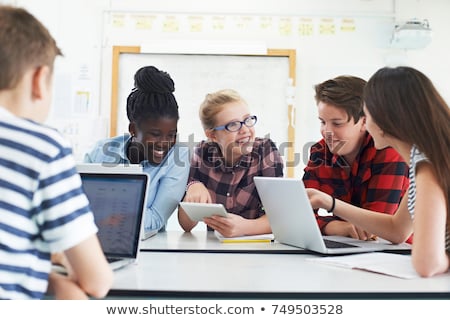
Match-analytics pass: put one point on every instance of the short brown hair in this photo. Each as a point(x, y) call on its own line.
point(344, 92)
point(24, 43)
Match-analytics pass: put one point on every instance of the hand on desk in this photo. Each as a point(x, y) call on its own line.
point(346, 229)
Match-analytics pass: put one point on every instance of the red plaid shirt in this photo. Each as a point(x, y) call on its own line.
point(377, 179)
point(233, 186)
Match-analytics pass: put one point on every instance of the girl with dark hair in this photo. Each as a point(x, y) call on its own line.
point(152, 142)
point(404, 110)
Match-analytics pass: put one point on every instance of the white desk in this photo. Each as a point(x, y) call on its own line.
point(203, 241)
point(238, 275)
point(182, 272)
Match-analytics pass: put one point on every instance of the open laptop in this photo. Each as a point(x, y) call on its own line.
point(109, 167)
point(117, 168)
point(293, 222)
point(118, 202)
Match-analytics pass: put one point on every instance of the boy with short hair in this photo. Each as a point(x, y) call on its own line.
point(43, 209)
point(345, 163)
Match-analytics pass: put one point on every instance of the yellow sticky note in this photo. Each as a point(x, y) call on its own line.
point(327, 26)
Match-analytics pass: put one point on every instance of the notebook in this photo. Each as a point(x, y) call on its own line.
point(293, 222)
point(118, 202)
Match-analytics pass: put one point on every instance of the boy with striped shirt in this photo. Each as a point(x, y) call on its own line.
point(43, 209)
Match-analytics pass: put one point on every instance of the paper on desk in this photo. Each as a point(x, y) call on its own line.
point(396, 265)
point(267, 237)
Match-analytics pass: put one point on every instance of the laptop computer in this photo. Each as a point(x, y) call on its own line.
point(117, 168)
point(109, 167)
point(118, 202)
point(293, 222)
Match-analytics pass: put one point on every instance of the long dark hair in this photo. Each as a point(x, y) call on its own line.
point(405, 104)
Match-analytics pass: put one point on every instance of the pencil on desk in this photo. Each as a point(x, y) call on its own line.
point(246, 240)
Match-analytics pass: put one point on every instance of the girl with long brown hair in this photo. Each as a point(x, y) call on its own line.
point(405, 111)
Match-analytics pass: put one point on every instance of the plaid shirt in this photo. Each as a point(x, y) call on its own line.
point(233, 186)
point(377, 179)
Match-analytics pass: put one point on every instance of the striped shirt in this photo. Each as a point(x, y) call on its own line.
point(415, 157)
point(42, 206)
point(233, 186)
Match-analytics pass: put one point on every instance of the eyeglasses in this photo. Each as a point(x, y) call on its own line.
point(234, 126)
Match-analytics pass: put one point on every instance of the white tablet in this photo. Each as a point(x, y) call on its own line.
point(198, 211)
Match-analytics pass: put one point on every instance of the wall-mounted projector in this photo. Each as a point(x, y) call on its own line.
point(413, 34)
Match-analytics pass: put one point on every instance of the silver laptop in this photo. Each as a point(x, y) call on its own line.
point(118, 202)
point(293, 222)
point(117, 168)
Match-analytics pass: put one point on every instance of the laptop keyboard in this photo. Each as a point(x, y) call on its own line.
point(113, 259)
point(335, 244)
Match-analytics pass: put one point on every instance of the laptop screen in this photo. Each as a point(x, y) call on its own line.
point(117, 201)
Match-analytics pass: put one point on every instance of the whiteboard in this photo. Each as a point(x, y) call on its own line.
point(262, 80)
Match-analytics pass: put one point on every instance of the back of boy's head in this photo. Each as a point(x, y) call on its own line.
point(152, 96)
point(24, 44)
point(344, 92)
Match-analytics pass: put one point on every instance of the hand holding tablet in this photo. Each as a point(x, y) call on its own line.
point(198, 211)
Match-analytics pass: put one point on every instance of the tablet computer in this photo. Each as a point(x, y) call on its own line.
point(198, 211)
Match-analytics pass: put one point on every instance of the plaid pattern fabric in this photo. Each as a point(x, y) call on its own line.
point(233, 186)
point(377, 179)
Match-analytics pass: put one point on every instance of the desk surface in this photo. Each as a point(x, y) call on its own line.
point(182, 272)
point(206, 242)
point(239, 275)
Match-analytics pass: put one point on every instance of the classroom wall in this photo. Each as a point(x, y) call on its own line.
point(330, 37)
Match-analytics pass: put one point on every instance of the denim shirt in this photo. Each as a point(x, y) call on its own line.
point(167, 179)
